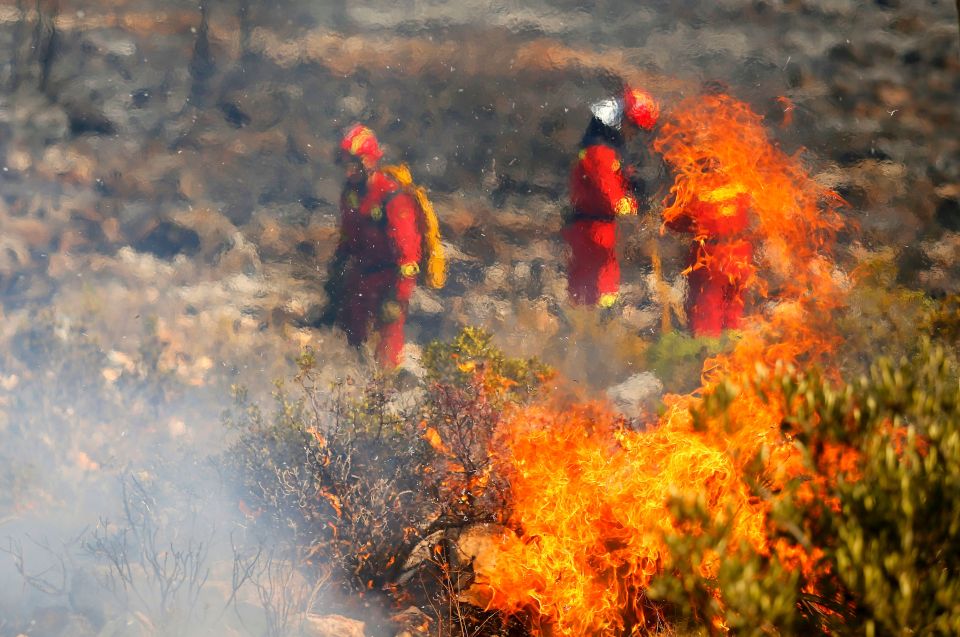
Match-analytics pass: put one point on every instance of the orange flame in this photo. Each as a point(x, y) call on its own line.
point(590, 498)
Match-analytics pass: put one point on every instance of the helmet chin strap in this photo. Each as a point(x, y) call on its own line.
point(609, 112)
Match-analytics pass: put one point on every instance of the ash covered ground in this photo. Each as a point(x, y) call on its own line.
point(168, 197)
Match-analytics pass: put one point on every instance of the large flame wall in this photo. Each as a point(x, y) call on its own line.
point(591, 498)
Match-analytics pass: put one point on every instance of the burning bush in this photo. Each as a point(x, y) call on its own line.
point(469, 384)
point(360, 473)
point(590, 497)
point(882, 534)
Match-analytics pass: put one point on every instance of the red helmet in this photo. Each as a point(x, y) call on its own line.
point(361, 143)
point(640, 108)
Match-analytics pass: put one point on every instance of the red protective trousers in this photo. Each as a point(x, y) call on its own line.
point(380, 299)
point(593, 268)
point(715, 301)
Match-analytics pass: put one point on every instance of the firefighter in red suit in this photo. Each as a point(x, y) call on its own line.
point(374, 269)
point(600, 191)
point(721, 264)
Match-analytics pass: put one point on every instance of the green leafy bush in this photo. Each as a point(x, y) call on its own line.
point(883, 537)
point(677, 358)
point(472, 352)
point(881, 317)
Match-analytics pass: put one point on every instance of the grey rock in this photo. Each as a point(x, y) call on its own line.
point(424, 301)
point(412, 621)
point(332, 626)
point(637, 393)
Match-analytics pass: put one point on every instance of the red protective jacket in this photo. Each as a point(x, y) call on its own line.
point(380, 227)
point(598, 186)
point(380, 233)
point(598, 192)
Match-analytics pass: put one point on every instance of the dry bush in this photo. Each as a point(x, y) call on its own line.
point(335, 471)
point(358, 474)
point(469, 384)
point(285, 596)
point(156, 566)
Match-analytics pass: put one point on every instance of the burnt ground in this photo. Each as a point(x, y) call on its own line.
point(168, 196)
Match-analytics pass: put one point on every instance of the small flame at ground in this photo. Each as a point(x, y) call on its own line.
point(590, 497)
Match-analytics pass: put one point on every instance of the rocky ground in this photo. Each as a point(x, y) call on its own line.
point(168, 196)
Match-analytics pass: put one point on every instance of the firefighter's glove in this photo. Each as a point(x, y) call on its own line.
point(626, 206)
point(409, 270)
point(607, 300)
point(390, 311)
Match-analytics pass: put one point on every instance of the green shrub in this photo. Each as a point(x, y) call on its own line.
point(880, 317)
point(469, 384)
point(889, 554)
point(677, 358)
point(457, 363)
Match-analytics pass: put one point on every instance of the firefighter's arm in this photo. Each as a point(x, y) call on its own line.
point(403, 228)
point(607, 173)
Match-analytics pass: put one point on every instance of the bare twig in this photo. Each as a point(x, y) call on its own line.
point(285, 596)
point(148, 572)
point(52, 580)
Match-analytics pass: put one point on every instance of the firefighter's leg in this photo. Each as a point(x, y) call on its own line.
point(608, 279)
point(705, 300)
point(391, 321)
point(594, 270)
point(355, 314)
point(579, 279)
point(604, 235)
point(390, 345)
point(733, 304)
point(735, 289)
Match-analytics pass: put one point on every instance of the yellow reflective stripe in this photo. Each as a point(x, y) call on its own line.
point(608, 299)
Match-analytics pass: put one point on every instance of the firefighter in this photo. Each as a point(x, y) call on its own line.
point(600, 191)
point(720, 265)
point(375, 266)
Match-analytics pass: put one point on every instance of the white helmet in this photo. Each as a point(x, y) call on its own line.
point(609, 111)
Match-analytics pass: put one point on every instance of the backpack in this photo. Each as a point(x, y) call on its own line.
point(436, 270)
